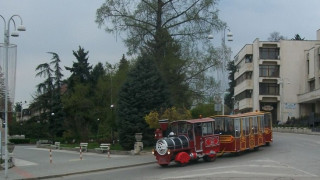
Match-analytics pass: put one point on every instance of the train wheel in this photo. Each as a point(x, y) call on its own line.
point(164, 165)
point(181, 164)
point(209, 159)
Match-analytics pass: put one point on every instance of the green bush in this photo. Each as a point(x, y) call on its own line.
point(20, 141)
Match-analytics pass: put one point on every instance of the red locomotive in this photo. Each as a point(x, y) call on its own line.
point(206, 137)
point(187, 140)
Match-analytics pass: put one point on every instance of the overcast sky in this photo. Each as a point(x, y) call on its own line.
point(62, 26)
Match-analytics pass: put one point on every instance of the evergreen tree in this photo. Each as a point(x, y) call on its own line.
point(81, 69)
point(142, 92)
point(48, 100)
point(97, 72)
point(229, 101)
point(297, 37)
point(79, 100)
point(57, 111)
point(171, 66)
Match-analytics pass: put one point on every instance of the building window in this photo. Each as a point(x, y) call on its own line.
point(269, 89)
point(311, 85)
point(248, 58)
point(319, 62)
point(243, 95)
point(269, 71)
point(308, 69)
point(269, 53)
point(243, 77)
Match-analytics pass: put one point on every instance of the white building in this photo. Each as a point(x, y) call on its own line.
point(281, 77)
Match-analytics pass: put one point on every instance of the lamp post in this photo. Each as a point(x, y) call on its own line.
point(111, 102)
point(6, 46)
point(21, 104)
point(223, 69)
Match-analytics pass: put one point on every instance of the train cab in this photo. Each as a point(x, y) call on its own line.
point(188, 140)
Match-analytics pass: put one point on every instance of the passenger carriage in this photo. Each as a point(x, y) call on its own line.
point(188, 140)
point(241, 132)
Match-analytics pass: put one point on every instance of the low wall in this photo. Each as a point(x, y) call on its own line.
point(294, 130)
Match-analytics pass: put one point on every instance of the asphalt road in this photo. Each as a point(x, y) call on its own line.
point(290, 156)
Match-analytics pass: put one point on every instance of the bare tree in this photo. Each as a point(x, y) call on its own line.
point(275, 36)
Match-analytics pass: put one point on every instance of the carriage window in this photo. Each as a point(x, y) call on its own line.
point(247, 126)
point(243, 124)
point(207, 128)
point(255, 125)
point(237, 127)
point(229, 126)
point(190, 131)
point(267, 120)
point(198, 129)
point(173, 128)
point(219, 128)
point(261, 123)
point(182, 128)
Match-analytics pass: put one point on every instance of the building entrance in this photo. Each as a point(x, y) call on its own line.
point(270, 107)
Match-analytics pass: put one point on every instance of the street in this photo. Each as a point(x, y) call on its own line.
point(290, 156)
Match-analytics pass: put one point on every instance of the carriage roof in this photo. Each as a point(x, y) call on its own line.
point(193, 121)
point(243, 114)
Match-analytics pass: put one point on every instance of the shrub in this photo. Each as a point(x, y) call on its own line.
point(20, 141)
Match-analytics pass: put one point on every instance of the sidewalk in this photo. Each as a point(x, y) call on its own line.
point(68, 163)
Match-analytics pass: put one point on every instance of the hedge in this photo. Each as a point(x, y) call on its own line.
point(20, 141)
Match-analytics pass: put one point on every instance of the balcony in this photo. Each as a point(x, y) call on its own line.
point(245, 104)
point(247, 49)
point(309, 96)
point(247, 84)
point(245, 68)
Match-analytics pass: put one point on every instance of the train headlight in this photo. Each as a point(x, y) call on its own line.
point(162, 147)
point(169, 152)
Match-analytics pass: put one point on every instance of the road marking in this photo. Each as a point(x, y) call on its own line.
point(22, 173)
point(284, 170)
point(254, 174)
point(72, 160)
point(20, 162)
point(286, 165)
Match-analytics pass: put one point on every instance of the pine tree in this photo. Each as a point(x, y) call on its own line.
point(142, 92)
point(232, 83)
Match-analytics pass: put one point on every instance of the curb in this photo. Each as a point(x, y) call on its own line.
point(88, 171)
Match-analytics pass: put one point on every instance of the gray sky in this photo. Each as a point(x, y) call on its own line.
point(62, 25)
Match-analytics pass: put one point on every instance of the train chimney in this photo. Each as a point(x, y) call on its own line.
point(164, 124)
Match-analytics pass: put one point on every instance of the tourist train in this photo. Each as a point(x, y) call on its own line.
point(207, 138)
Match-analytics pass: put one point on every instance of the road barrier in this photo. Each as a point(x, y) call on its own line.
point(80, 153)
point(50, 156)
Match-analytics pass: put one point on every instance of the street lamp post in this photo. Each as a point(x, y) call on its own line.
point(6, 46)
point(21, 104)
point(223, 69)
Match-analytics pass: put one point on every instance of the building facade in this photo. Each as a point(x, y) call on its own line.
point(282, 77)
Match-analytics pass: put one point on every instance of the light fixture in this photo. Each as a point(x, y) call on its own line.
point(21, 28)
point(15, 34)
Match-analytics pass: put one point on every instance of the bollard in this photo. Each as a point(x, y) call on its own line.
point(80, 153)
point(109, 153)
point(50, 156)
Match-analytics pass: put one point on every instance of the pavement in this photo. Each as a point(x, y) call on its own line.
point(34, 163)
